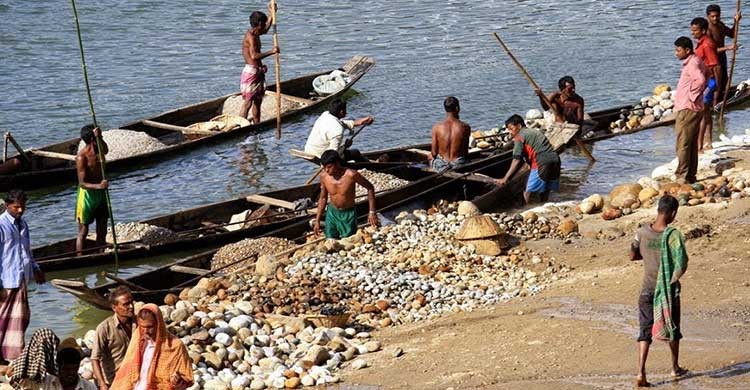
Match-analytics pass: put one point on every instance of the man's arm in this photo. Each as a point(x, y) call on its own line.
point(271, 15)
point(81, 171)
point(361, 180)
point(257, 55)
point(635, 249)
point(580, 111)
point(321, 206)
point(434, 150)
point(514, 165)
point(96, 363)
point(335, 138)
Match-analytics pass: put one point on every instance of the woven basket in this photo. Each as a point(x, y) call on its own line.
point(231, 121)
point(336, 321)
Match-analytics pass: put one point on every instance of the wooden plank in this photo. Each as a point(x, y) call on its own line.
point(61, 156)
point(305, 156)
point(184, 130)
point(420, 152)
point(188, 270)
point(263, 199)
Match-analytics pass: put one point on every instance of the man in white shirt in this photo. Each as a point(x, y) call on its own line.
point(328, 133)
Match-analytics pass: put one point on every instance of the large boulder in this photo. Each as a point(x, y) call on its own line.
point(624, 195)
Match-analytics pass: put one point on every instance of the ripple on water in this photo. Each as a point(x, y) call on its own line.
point(147, 59)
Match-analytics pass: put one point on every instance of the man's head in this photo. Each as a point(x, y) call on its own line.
point(87, 134)
point(667, 208)
point(69, 360)
point(451, 105)
point(514, 124)
point(337, 108)
point(567, 85)
point(258, 21)
point(15, 203)
point(713, 13)
point(330, 161)
point(147, 324)
point(683, 47)
point(121, 301)
point(698, 27)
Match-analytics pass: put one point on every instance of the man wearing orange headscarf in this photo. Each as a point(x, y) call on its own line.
point(156, 359)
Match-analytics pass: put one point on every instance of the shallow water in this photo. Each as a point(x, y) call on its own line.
point(148, 57)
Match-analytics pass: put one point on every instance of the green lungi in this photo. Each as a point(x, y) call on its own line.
point(340, 223)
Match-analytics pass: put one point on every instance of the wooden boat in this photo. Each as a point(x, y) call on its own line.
point(406, 163)
point(207, 226)
point(55, 164)
point(604, 118)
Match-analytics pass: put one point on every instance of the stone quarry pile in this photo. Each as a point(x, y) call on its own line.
point(650, 109)
point(246, 248)
point(381, 181)
point(495, 138)
point(233, 105)
point(126, 143)
point(144, 233)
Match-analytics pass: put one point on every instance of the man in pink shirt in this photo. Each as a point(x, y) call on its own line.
point(688, 104)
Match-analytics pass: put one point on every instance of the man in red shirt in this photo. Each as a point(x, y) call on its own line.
point(705, 49)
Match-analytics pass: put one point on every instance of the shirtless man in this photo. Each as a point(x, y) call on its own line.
point(92, 199)
point(253, 78)
point(340, 183)
point(718, 31)
point(567, 103)
point(450, 139)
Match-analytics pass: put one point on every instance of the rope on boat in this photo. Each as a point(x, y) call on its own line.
point(98, 139)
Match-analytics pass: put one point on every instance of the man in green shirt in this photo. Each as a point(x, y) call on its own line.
point(533, 147)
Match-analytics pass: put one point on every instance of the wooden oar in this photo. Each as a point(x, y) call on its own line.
point(314, 175)
point(541, 93)
point(731, 69)
point(277, 71)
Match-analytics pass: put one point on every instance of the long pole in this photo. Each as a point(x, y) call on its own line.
point(277, 71)
point(731, 69)
point(100, 153)
point(539, 92)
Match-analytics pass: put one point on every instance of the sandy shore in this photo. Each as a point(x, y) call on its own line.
point(580, 332)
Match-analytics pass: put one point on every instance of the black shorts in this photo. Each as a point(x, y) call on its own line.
point(646, 316)
point(550, 171)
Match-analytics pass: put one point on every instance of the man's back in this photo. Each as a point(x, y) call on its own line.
point(451, 137)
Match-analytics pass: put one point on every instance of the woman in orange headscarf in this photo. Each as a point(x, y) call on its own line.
point(156, 359)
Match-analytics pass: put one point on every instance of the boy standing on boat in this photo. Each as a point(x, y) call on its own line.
point(718, 31)
point(533, 147)
point(665, 260)
point(340, 183)
point(92, 200)
point(450, 139)
point(17, 267)
point(253, 78)
point(688, 106)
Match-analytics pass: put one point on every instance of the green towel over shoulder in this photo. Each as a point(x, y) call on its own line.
point(672, 265)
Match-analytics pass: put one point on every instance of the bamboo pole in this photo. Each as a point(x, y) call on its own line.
point(277, 61)
point(100, 152)
point(731, 69)
point(539, 92)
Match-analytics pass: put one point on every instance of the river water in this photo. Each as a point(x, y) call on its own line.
point(146, 57)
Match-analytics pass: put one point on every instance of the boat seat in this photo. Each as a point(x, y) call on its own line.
point(305, 156)
point(188, 270)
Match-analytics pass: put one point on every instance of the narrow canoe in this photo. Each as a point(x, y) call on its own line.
point(604, 118)
point(55, 164)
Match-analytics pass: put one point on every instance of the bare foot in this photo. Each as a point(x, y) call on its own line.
point(679, 372)
point(640, 381)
